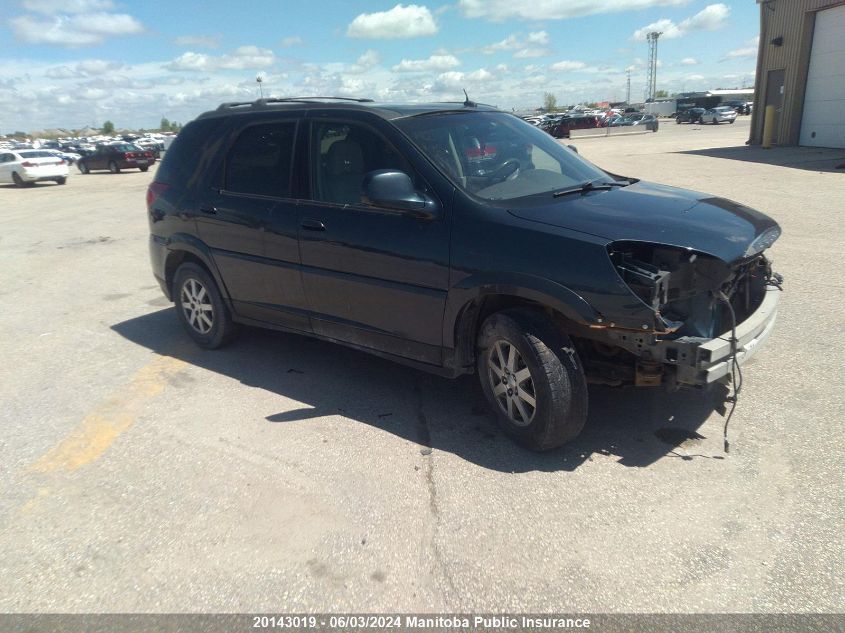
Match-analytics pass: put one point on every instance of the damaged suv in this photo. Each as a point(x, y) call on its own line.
point(457, 238)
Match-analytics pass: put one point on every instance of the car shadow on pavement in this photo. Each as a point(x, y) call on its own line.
point(807, 158)
point(636, 427)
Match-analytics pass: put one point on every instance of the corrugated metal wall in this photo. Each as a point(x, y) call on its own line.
point(794, 21)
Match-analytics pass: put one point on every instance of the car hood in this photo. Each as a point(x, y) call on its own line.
point(649, 212)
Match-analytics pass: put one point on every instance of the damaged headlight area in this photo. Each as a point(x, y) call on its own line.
point(681, 286)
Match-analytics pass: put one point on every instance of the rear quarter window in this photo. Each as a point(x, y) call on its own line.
point(189, 152)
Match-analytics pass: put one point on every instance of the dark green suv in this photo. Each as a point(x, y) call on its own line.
point(457, 239)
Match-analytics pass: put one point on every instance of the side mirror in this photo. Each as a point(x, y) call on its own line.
point(573, 148)
point(393, 189)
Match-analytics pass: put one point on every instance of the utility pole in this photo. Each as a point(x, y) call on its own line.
point(259, 81)
point(652, 63)
point(628, 88)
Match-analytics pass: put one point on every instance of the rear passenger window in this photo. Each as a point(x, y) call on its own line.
point(260, 161)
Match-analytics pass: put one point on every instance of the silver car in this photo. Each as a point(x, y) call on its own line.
point(719, 114)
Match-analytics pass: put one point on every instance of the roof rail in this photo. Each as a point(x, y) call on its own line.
point(260, 103)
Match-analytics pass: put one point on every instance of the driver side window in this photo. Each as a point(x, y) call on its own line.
point(344, 153)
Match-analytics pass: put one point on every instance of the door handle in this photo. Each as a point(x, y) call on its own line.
point(312, 225)
point(209, 209)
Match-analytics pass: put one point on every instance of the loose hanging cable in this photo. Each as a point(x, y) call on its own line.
point(736, 371)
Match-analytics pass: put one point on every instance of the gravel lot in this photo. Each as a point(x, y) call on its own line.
point(139, 473)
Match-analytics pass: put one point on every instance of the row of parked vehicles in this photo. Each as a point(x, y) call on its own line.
point(560, 126)
point(25, 167)
point(719, 114)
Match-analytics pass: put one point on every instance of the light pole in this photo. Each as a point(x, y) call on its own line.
point(259, 81)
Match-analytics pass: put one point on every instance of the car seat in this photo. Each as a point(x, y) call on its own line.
point(344, 173)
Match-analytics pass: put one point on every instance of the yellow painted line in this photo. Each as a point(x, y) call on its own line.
point(113, 416)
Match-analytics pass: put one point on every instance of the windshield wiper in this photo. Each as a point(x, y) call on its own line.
point(590, 185)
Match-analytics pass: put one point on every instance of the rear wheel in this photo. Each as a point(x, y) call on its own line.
point(113, 168)
point(532, 378)
point(715, 121)
point(19, 182)
point(200, 307)
point(732, 121)
point(61, 181)
point(144, 168)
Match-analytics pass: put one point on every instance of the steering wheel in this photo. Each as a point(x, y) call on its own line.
point(506, 170)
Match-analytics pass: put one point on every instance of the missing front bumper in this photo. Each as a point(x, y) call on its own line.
point(699, 362)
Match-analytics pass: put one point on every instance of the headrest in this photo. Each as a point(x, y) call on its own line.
point(344, 157)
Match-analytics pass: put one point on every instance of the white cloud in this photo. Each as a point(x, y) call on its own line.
point(435, 62)
point(747, 51)
point(538, 37)
point(80, 29)
point(567, 65)
point(533, 45)
point(367, 61)
point(293, 40)
point(710, 18)
point(500, 10)
point(689, 61)
point(242, 58)
point(197, 41)
point(400, 22)
point(530, 53)
point(511, 42)
point(52, 7)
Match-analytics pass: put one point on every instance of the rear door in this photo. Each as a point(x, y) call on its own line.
point(252, 195)
point(375, 277)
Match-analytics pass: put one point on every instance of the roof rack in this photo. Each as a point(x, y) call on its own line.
point(260, 103)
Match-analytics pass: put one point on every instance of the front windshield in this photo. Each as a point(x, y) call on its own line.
point(496, 156)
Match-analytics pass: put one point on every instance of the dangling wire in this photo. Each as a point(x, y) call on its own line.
point(736, 371)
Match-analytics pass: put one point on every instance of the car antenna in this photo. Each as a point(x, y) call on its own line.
point(468, 103)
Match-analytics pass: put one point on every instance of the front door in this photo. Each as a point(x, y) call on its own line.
point(374, 277)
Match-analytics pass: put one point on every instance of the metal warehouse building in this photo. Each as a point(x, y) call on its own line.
point(801, 72)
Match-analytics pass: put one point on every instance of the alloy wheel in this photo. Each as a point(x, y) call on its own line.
point(511, 383)
point(197, 306)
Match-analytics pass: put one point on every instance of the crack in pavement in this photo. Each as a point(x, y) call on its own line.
point(424, 439)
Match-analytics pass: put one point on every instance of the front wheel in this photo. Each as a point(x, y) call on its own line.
point(715, 122)
point(19, 182)
point(732, 121)
point(83, 168)
point(532, 378)
point(144, 168)
point(61, 181)
point(113, 168)
point(200, 307)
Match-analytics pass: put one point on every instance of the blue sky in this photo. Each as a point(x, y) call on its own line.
point(71, 63)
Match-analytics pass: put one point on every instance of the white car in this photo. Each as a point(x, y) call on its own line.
point(719, 114)
point(27, 166)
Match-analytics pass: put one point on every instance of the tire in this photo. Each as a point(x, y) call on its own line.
point(19, 182)
point(83, 168)
point(715, 122)
point(61, 181)
point(554, 379)
point(113, 168)
point(200, 307)
point(732, 121)
point(144, 168)
point(678, 120)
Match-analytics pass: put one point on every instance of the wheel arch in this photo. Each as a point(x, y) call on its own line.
point(471, 304)
point(184, 248)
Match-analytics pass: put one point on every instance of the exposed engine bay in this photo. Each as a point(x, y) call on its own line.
point(694, 298)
